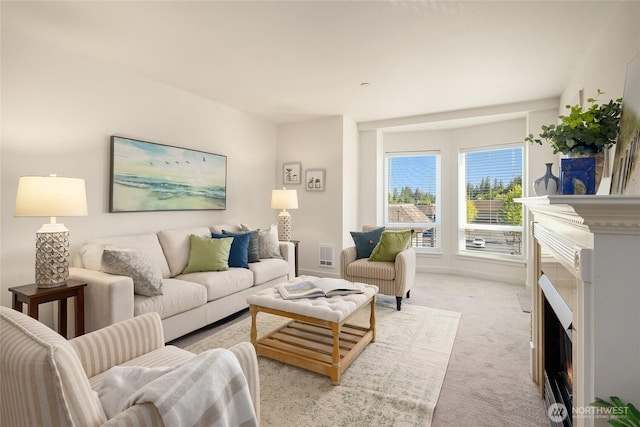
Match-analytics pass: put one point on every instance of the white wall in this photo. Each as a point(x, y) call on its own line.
point(605, 66)
point(58, 111)
point(318, 144)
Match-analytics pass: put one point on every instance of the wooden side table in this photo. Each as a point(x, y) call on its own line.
point(33, 296)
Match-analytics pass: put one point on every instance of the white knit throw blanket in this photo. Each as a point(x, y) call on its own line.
point(208, 390)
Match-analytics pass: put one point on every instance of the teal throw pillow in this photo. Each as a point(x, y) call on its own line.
point(365, 241)
point(208, 254)
point(239, 252)
point(253, 253)
point(390, 245)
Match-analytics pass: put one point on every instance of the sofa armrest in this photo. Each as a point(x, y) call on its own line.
point(118, 343)
point(287, 250)
point(108, 298)
point(405, 270)
point(245, 352)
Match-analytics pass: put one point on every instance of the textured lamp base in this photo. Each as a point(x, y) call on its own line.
point(284, 226)
point(52, 258)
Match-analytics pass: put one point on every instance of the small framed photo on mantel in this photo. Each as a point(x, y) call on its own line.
point(315, 179)
point(291, 173)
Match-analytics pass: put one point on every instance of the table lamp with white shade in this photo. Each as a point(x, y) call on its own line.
point(51, 196)
point(284, 199)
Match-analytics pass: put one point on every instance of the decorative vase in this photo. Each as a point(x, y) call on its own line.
point(548, 184)
point(581, 173)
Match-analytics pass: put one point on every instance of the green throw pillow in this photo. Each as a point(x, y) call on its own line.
point(208, 254)
point(391, 244)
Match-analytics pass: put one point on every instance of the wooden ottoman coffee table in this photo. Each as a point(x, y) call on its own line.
point(318, 338)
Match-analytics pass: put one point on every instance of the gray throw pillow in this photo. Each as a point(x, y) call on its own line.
point(268, 244)
point(147, 279)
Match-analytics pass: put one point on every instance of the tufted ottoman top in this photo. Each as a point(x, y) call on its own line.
point(333, 309)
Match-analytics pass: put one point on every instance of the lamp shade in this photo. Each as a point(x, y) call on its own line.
point(51, 196)
point(284, 199)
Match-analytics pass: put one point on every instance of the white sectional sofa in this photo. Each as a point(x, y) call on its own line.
point(188, 301)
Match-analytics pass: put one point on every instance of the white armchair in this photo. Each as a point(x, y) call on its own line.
point(49, 381)
point(392, 278)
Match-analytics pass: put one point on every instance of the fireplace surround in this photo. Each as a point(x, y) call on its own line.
point(586, 255)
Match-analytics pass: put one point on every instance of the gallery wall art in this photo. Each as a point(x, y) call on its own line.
point(146, 176)
point(626, 164)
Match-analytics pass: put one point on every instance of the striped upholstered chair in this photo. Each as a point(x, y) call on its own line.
point(49, 381)
point(391, 277)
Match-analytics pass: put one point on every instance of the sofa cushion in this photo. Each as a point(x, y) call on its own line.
point(239, 252)
point(147, 278)
point(147, 244)
point(268, 269)
point(391, 244)
point(372, 269)
point(253, 252)
point(221, 283)
point(176, 244)
point(366, 241)
point(207, 254)
point(178, 296)
point(268, 245)
point(219, 228)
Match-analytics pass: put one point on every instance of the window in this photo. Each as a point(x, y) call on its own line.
point(490, 221)
point(413, 196)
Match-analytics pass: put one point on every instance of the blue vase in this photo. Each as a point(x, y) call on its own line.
point(548, 184)
point(578, 175)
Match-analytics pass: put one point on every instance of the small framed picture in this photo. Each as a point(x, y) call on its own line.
point(291, 173)
point(314, 180)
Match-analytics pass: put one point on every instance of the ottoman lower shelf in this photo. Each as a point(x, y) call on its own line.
point(310, 347)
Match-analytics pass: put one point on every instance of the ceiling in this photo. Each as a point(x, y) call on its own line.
point(297, 60)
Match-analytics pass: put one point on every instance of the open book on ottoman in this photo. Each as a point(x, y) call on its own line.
point(323, 287)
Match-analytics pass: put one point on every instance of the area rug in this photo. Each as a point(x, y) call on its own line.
point(394, 382)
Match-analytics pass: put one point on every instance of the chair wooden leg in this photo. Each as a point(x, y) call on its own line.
point(398, 302)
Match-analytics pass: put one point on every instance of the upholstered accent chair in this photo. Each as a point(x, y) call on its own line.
point(49, 381)
point(394, 278)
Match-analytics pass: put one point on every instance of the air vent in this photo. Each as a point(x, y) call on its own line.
point(326, 255)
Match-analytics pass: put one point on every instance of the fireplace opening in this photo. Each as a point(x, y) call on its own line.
point(558, 364)
point(557, 331)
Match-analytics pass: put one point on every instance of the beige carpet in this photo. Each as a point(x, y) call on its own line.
point(394, 382)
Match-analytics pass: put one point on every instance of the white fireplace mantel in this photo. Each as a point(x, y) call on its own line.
point(597, 238)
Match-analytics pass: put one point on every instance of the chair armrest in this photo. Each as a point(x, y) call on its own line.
point(108, 298)
point(405, 270)
point(347, 256)
point(118, 343)
point(245, 352)
point(287, 250)
point(139, 415)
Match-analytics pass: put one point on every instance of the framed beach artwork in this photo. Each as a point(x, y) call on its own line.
point(146, 176)
point(625, 177)
point(315, 180)
point(291, 173)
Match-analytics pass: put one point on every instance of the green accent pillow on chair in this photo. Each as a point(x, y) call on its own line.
point(390, 245)
point(208, 254)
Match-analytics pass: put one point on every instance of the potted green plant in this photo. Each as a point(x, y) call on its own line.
point(626, 415)
point(589, 130)
point(584, 132)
